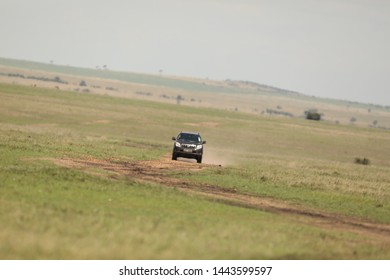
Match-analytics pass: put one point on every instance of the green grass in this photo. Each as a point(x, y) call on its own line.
point(53, 212)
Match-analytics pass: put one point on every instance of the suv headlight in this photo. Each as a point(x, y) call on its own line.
point(177, 144)
point(199, 147)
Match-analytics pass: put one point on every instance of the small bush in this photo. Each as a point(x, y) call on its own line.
point(313, 115)
point(364, 161)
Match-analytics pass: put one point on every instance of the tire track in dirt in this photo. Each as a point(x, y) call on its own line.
point(157, 171)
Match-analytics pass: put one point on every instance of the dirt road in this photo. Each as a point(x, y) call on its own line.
point(158, 171)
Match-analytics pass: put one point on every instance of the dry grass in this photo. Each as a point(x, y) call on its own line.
point(208, 94)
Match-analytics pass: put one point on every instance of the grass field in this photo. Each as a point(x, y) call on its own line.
point(86, 176)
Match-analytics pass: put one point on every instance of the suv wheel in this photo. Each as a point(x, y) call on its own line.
point(174, 156)
point(199, 159)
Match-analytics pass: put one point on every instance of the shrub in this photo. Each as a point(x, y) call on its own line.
point(313, 115)
point(364, 161)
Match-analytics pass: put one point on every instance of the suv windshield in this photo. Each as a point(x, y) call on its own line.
point(189, 137)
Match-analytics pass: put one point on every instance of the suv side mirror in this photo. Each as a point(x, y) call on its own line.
point(174, 138)
point(204, 142)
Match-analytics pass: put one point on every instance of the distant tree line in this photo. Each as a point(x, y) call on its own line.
point(278, 112)
point(45, 79)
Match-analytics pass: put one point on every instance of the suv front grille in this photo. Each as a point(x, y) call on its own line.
point(188, 146)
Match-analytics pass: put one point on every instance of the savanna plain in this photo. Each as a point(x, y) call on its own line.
point(88, 176)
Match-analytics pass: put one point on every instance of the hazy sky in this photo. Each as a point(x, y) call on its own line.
point(328, 48)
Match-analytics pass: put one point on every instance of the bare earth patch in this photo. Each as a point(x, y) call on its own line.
point(157, 171)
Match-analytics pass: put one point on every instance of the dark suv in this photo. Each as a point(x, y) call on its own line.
point(188, 145)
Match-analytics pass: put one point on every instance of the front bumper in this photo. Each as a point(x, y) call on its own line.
point(187, 153)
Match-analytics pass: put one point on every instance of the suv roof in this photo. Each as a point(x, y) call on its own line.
point(187, 132)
